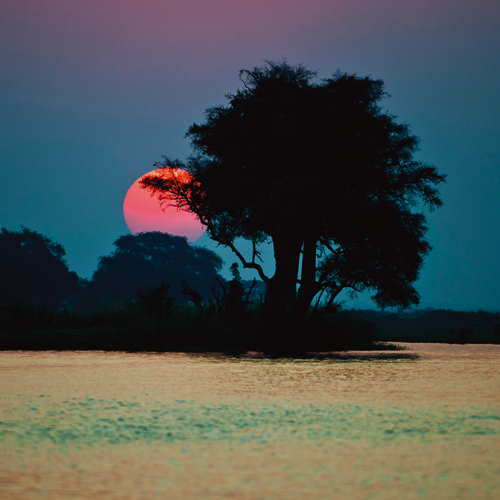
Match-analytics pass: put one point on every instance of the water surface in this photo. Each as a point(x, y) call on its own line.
point(101, 425)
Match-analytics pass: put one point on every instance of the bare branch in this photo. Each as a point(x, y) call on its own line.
point(319, 299)
point(329, 246)
point(246, 264)
point(256, 253)
point(254, 282)
point(335, 291)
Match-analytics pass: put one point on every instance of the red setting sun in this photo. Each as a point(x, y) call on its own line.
point(144, 213)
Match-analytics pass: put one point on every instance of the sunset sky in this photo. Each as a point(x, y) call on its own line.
point(93, 92)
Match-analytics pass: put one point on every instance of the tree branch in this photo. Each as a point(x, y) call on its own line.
point(329, 246)
point(334, 292)
point(255, 252)
point(246, 264)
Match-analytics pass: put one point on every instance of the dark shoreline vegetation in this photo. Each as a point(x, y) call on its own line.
point(128, 326)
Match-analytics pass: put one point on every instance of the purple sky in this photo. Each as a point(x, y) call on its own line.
point(93, 92)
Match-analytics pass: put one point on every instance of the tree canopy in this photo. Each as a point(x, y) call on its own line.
point(322, 172)
point(148, 259)
point(33, 269)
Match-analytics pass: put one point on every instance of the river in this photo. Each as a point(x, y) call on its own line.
point(87, 425)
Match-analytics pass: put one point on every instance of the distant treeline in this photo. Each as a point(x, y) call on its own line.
point(33, 270)
point(436, 325)
point(156, 292)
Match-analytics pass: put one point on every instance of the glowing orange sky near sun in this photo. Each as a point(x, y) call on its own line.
point(143, 213)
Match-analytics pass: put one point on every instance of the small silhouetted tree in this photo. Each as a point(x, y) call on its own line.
point(196, 298)
point(318, 169)
point(150, 259)
point(236, 303)
point(33, 269)
point(233, 299)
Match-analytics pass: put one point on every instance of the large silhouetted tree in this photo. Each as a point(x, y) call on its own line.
point(147, 260)
point(318, 169)
point(33, 269)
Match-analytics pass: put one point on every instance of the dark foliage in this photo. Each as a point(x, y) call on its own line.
point(33, 270)
point(155, 300)
point(145, 261)
point(320, 171)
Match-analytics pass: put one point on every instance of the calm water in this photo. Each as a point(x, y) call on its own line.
point(86, 425)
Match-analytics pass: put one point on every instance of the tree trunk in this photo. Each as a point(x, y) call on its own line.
point(308, 285)
point(281, 292)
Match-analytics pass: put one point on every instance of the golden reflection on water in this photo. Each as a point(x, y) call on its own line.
point(146, 426)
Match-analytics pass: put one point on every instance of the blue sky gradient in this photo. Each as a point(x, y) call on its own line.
point(93, 93)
